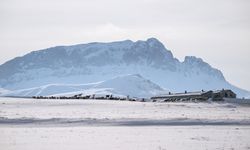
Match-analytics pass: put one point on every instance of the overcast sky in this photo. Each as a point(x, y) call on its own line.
point(215, 30)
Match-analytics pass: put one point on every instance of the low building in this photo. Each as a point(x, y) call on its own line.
point(220, 94)
point(200, 96)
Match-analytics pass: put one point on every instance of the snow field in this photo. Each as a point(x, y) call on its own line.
point(103, 124)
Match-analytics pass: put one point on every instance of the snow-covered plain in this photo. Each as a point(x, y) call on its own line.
point(102, 124)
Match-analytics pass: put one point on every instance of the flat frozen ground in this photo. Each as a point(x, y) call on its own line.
point(101, 124)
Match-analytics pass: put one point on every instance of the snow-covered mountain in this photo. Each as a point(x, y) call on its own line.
point(132, 85)
point(93, 62)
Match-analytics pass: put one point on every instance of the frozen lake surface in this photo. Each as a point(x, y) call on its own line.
point(102, 124)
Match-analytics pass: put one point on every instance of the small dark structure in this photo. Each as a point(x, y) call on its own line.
point(197, 96)
point(220, 94)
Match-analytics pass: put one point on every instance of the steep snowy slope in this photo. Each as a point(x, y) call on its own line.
point(94, 62)
point(133, 85)
point(72, 62)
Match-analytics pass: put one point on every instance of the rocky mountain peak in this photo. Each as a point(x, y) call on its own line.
point(93, 62)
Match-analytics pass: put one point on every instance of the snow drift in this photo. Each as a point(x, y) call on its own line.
point(132, 85)
point(3, 91)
